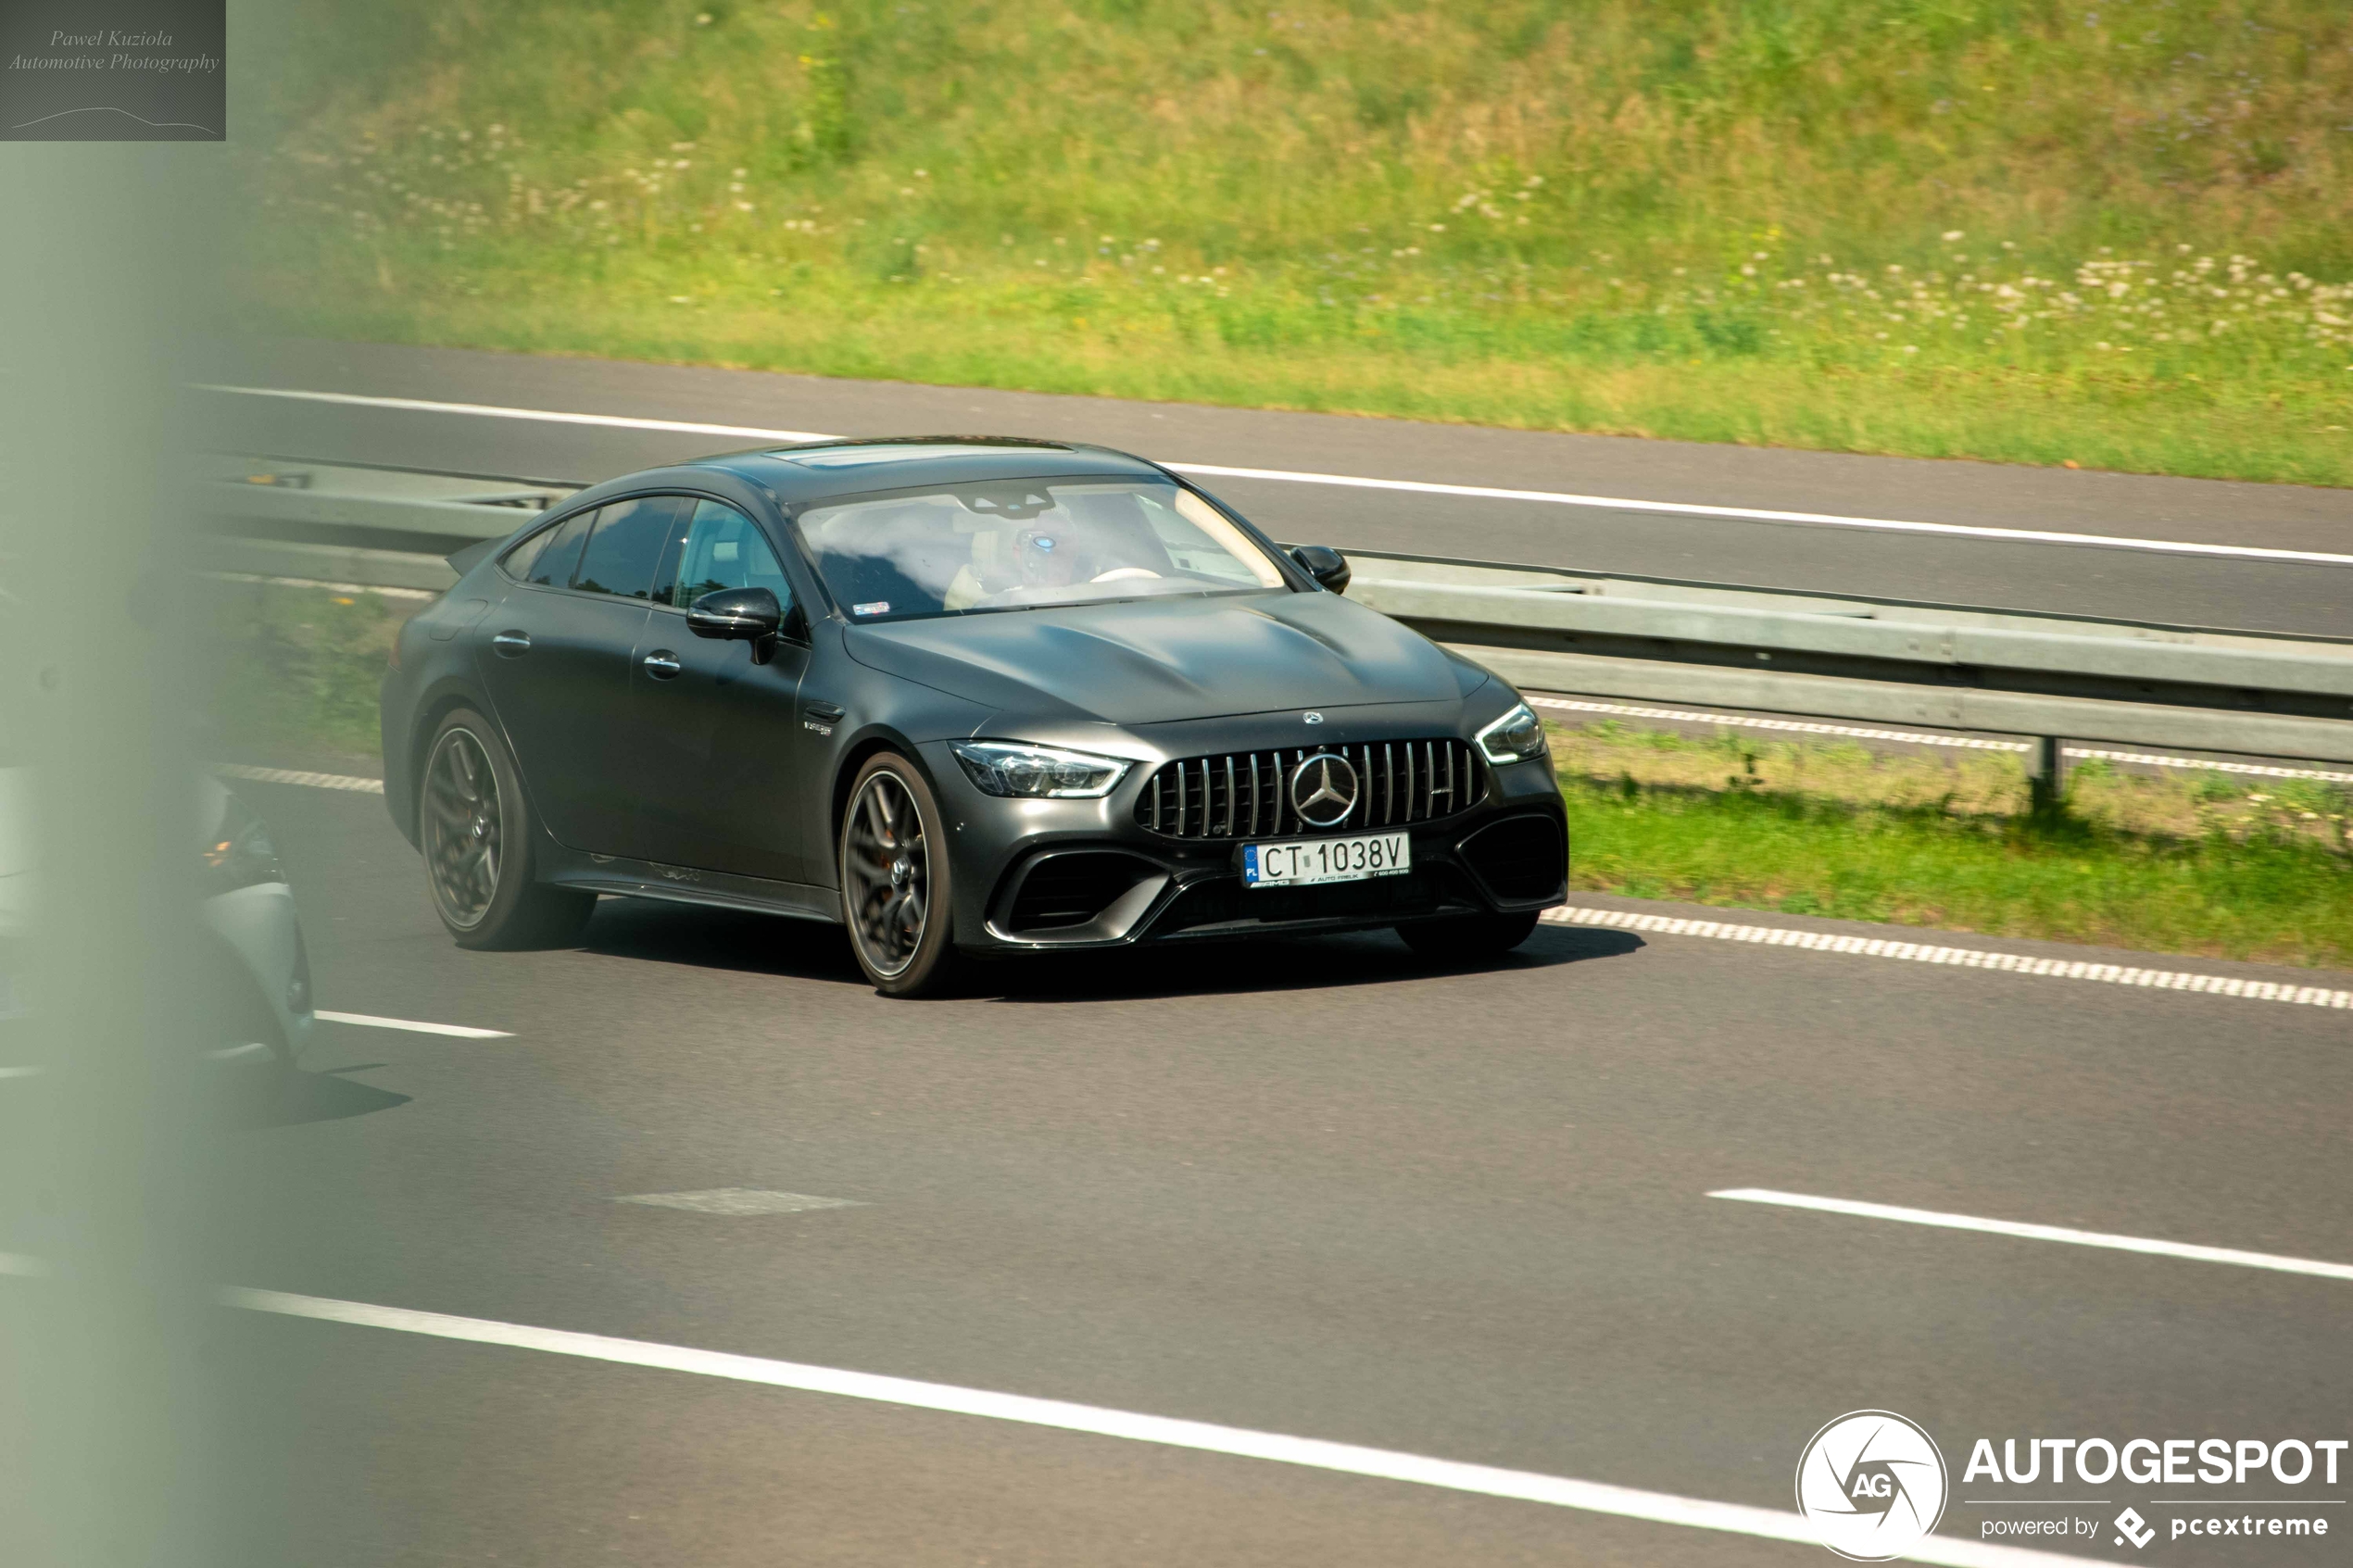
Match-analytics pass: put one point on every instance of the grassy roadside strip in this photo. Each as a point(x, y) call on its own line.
point(2194, 863)
point(295, 671)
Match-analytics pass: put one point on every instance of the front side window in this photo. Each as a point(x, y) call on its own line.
point(722, 548)
point(624, 550)
point(1017, 544)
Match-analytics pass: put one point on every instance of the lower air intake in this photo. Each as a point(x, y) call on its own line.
point(1519, 860)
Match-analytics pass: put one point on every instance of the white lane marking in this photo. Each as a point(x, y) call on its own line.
point(1759, 514)
point(368, 1021)
point(2260, 769)
point(1420, 487)
point(294, 776)
point(548, 416)
point(19, 1072)
point(740, 1200)
point(1315, 1453)
point(1747, 722)
point(2041, 1233)
point(23, 1265)
point(1963, 958)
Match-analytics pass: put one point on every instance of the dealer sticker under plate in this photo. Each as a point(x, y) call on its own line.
point(1306, 861)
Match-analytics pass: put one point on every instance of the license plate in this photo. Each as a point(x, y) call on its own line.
point(1306, 861)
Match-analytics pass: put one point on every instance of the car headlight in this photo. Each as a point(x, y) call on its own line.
point(1010, 768)
point(238, 853)
point(1517, 736)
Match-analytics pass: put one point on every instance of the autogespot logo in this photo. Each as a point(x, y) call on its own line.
point(1871, 1485)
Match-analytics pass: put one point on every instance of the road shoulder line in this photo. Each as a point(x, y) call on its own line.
point(1962, 957)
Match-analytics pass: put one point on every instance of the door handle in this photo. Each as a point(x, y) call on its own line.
point(511, 645)
point(662, 664)
point(827, 712)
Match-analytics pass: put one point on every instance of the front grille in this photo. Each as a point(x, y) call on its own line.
point(1246, 794)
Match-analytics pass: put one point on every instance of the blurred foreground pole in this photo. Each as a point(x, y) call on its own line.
point(106, 1452)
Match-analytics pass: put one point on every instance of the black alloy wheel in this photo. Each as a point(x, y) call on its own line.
point(462, 829)
point(476, 829)
point(894, 888)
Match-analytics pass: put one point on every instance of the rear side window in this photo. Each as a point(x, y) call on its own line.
point(724, 549)
point(625, 550)
point(547, 556)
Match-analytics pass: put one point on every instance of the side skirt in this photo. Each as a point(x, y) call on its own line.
point(687, 884)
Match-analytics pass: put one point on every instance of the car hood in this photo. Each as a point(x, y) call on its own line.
point(1148, 661)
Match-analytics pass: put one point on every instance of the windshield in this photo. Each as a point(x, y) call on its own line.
point(1013, 544)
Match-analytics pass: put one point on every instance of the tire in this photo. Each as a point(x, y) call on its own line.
point(897, 894)
point(1468, 938)
point(479, 834)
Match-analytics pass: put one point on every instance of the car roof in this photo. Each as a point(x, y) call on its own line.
point(820, 471)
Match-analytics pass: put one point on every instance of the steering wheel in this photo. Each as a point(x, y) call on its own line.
point(1122, 573)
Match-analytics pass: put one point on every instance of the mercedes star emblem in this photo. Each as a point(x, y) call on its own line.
point(1311, 718)
point(1323, 790)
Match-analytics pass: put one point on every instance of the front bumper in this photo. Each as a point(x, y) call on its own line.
point(269, 1009)
point(1054, 875)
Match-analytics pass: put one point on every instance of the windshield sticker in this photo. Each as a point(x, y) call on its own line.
point(879, 607)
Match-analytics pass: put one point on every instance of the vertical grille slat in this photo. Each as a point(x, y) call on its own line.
point(1202, 798)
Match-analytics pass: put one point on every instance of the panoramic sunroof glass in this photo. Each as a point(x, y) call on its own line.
point(866, 456)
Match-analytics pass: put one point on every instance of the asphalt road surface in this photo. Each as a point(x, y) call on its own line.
point(2126, 583)
point(1310, 1188)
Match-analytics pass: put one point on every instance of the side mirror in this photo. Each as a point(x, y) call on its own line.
point(1326, 566)
point(737, 615)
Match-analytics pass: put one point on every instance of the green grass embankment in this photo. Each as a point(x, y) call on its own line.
point(2116, 235)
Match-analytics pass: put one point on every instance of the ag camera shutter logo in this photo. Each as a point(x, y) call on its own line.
point(1871, 1485)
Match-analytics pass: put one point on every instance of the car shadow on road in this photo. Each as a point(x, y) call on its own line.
point(300, 1097)
point(730, 939)
point(767, 945)
point(1297, 963)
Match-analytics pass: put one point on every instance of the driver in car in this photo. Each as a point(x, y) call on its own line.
point(1042, 561)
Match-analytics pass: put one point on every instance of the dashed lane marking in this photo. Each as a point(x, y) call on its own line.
point(1419, 487)
point(1347, 1459)
point(459, 1030)
point(1963, 958)
point(1915, 737)
point(2041, 1233)
point(295, 776)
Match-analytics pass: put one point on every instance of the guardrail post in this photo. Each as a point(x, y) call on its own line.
point(2047, 775)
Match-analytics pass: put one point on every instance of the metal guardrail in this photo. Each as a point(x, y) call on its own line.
point(1948, 667)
